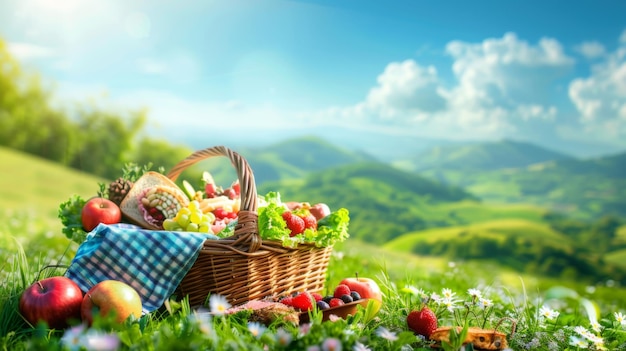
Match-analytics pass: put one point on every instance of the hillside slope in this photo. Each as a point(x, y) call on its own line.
point(586, 189)
point(385, 202)
point(38, 186)
point(523, 245)
point(288, 159)
point(482, 156)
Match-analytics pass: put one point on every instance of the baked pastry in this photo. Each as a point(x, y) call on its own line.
point(481, 339)
point(152, 199)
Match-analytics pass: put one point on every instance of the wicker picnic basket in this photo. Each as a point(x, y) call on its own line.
point(245, 267)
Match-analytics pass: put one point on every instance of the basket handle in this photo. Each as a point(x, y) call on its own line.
point(247, 229)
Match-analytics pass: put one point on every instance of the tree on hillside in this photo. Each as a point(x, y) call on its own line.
point(105, 140)
point(29, 122)
point(89, 138)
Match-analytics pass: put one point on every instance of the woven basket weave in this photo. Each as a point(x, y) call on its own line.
point(245, 267)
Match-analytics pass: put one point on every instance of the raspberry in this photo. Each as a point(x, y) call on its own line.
point(423, 322)
point(309, 221)
point(316, 296)
point(294, 223)
point(334, 302)
point(287, 301)
point(341, 289)
point(303, 301)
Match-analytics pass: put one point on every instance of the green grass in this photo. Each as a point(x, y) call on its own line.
point(33, 185)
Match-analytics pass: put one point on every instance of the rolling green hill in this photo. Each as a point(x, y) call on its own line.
point(586, 189)
point(523, 245)
point(38, 186)
point(481, 156)
point(290, 159)
point(386, 202)
point(522, 173)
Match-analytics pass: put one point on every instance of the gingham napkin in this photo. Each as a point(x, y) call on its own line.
point(152, 262)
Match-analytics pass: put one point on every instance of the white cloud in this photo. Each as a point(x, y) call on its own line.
point(503, 86)
point(601, 97)
point(591, 49)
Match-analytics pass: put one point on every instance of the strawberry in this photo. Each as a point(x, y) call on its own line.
point(309, 221)
point(219, 213)
point(294, 223)
point(236, 187)
point(288, 300)
point(303, 301)
point(340, 290)
point(423, 322)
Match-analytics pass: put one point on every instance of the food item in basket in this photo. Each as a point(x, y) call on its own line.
point(481, 339)
point(319, 210)
point(152, 199)
point(159, 203)
point(55, 300)
point(111, 297)
point(272, 226)
point(295, 223)
point(190, 219)
point(99, 210)
point(118, 189)
point(422, 321)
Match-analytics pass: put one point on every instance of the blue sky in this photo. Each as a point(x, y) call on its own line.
point(552, 72)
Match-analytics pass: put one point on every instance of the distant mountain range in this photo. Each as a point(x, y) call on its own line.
point(498, 172)
point(377, 143)
point(481, 157)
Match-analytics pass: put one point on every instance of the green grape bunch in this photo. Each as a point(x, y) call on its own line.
point(190, 219)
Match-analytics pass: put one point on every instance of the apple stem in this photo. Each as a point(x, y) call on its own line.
point(41, 286)
point(356, 274)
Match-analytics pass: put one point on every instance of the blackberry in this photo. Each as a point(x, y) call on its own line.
point(327, 298)
point(355, 296)
point(346, 298)
point(323, 305)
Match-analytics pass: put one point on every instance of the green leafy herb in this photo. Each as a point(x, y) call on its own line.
point(69, 213)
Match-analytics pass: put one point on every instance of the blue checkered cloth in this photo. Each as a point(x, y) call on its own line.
point(152, 262)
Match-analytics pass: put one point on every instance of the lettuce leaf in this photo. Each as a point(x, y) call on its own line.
point(70, 215)
point(331, 229)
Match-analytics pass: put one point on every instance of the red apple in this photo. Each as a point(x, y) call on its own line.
point(99, 210)
point(54, 300)
point(111, 296)
point(366, 287)
point(320, 210)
